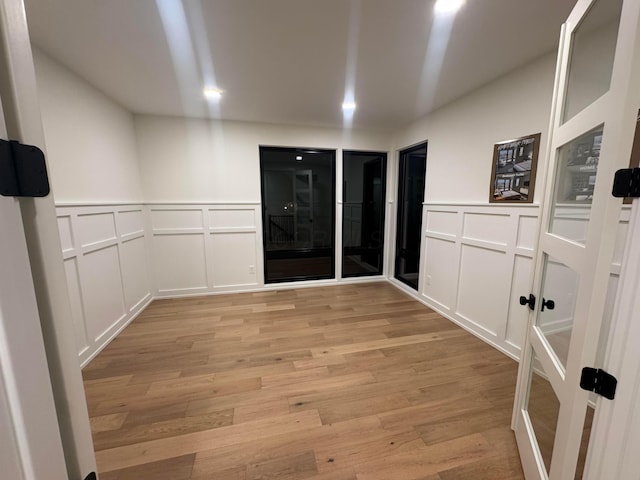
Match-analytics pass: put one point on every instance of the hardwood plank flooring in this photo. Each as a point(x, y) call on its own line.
point(354, 382)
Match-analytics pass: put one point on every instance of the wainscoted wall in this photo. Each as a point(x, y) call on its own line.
point(107, 270)
point(204, 248)
point(477, 261)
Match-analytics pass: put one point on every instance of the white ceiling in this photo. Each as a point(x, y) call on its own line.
point(288, 61)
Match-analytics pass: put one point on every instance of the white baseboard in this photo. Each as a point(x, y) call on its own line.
point(273, 286)
point(137, 310)
point(446, 314)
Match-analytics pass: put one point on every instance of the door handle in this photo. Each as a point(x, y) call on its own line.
point(550, 304)
point(531, 301)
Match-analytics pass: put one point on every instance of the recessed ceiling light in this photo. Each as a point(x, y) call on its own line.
point(299, 158)
point(448, 6)
point(212, 93)
point(349, 106)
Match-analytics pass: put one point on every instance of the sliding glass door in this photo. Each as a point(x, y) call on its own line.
point(364, 182)
point(298, 215)
point(411, 178)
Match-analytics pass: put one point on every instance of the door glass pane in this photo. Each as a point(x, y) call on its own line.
point(363, 209)
point(411, 178)
point(584, 442)
point(543, 407)
point(555, 319)
point(298, 198)
point(576, 171)
point(592, 53)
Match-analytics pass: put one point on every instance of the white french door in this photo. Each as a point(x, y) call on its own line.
point(38, 357)
point(30, 443)
point(592, 123)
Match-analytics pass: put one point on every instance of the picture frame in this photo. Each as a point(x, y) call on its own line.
point(513, 171)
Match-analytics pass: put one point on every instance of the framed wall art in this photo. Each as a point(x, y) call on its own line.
point(513, 173)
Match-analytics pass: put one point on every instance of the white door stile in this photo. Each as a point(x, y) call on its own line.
point(9, 454)
point(616, 431)
point(23, 121)
point(30, 443)
point(525, 360)
point(591, 261)
point(530, 456)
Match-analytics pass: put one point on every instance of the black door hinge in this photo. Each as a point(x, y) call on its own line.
point(598, 381)
point(531, 301)
point(23, 171)
point(626, 183)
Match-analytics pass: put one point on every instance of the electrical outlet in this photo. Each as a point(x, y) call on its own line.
point(428, 279)
point(252, 269)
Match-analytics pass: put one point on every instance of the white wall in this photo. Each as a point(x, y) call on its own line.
point(90, 139)
point(461, 135)
point(201, 183)
point(191, 160)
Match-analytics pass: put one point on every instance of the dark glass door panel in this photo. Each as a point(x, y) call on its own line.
point(364, 190)
point(411, 178)
point(298, 215)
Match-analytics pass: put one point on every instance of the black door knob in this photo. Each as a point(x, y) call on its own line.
point(531, 301)
point(550, 304)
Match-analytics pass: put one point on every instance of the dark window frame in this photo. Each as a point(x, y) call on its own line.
point(300, 253)
point(385, 164)
point(400, 200)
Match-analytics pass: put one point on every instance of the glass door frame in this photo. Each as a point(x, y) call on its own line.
point(400, 188)
point(301, 151)
point(342, 203)
point(590, 260)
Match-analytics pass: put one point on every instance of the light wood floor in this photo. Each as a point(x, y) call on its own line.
point(356, 382)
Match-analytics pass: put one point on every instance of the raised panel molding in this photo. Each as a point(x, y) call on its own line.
point(440, 277)
point(486, 227)
point(483, 288)
point(234, 259)
point(442, 221)
point(95, 228)
point(232, 218)
point(102, 291)
point(527, 230)
point(108, 276)
point(175, 219)
point(205, 248)
point(179, 262)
